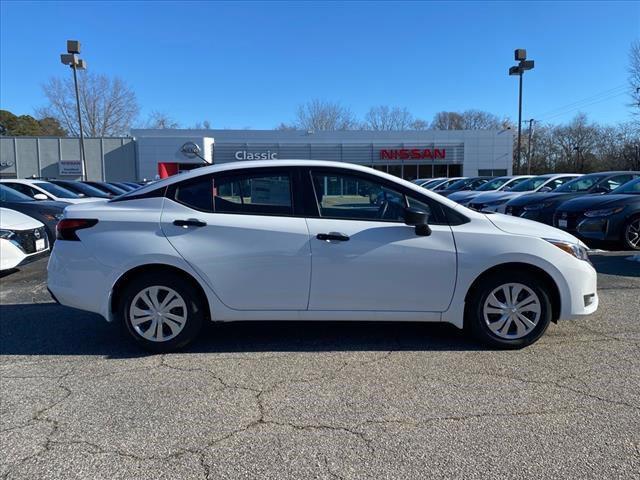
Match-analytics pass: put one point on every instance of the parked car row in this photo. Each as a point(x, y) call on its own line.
point(30, 209)
point(598, 207)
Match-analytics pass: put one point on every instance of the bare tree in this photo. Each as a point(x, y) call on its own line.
point(467, 120)
point(634, 76)
point(419, 124)
point(319, 115)
point(108, 106)
point(160, 120)
point(384, 117)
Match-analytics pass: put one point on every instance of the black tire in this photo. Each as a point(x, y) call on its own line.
point(474, 311)
point(631, 223)
point(192, 303)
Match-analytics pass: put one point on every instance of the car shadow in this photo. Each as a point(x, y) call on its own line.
point(51, 329)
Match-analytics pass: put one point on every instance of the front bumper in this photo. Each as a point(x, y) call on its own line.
point(581, 295)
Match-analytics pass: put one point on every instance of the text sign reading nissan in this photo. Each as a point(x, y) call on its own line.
point(413, 154)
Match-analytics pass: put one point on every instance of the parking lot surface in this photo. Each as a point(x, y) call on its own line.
point(318, 400)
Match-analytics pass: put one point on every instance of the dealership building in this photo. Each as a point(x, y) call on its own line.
point(158, 153)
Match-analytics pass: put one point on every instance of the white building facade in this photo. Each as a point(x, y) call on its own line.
point(406, 154)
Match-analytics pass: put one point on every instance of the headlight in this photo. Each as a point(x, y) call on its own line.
point(6, 234)
point(538, 206)
point(605, 212)
point(572, 249)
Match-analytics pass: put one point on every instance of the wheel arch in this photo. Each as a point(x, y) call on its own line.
point(159, 268)
point(534, 270)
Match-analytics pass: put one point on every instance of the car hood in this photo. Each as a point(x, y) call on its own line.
point(466, 195)
point(495, 196)
point(540, 197)
point(596, 201)
point(12, 220)
point(522, 226)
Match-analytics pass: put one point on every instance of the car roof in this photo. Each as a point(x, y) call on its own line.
point(231, 166)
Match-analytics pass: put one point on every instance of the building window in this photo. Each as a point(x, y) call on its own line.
point(455, 170)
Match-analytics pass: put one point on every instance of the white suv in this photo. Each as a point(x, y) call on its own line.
point(22, 239)
point(303, 240)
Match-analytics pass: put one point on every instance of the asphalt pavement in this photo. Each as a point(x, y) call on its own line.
point(318, 400)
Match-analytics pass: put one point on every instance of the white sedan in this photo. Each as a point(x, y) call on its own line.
point(303, 240)
point(22, 239)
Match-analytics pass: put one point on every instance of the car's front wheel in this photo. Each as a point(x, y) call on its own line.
point(161, 312)
point(631, 235)
point(509, 310)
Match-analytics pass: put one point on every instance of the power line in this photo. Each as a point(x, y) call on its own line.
point(584, 100)
point(564, 112)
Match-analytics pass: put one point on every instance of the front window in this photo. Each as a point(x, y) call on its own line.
point(494, 184)
point(56, 191)
point(349, 197)
point(530, 184)
point(581, 184)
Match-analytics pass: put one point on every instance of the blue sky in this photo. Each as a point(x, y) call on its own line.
point(250, 64)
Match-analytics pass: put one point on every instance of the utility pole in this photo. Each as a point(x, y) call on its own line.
point(520, 56)
point(71, 59)
point(529, 152)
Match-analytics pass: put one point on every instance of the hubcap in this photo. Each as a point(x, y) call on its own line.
point(158, 313)
point(633, 234)
point(512, 310)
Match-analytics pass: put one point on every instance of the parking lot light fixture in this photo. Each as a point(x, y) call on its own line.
point(520, 56)
point(76, 63)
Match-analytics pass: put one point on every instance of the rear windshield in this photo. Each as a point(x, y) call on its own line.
point(56, 190)
point(630, 187)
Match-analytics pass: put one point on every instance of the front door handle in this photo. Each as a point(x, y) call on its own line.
point(192, 222)
point(337, 236)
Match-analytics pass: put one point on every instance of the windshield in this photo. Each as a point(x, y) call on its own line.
point(632, 187)
point(457, 185)
point(529, 184)
point(431, 183)
point(56, 190)
point(494, 184)
point(581, 184)
point(8, 194)
point(87, 190)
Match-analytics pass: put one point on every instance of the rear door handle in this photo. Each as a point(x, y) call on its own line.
point(337, 236)
point(189, 223)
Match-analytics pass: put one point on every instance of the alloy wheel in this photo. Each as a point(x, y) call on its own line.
point(158, 313)
point(512, 311)
point(633, 234)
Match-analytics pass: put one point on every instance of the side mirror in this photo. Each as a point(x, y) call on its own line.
point(40, 196)
point(418, 219)
point(545, 189)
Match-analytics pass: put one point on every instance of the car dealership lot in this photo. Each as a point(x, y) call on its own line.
point(319, 400)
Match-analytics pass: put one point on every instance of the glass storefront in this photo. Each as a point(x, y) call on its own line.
point(410, 171)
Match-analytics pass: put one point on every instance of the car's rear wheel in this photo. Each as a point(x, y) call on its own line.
point(509, 310)
point(631, 234)
point(161, 312)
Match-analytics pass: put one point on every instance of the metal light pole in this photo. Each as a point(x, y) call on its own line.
point(71, 59)
point(529, 153)
point(520, 56)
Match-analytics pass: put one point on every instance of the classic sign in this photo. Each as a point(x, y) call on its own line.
point(244, 155)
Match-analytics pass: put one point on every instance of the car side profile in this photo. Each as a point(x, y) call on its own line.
point(302, 240)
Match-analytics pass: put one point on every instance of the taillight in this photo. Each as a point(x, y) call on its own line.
point(67, 227)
